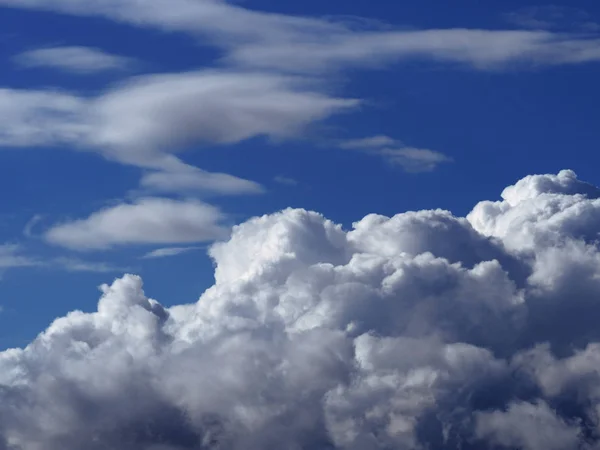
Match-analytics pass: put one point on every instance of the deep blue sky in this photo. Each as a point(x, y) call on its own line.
point(497, 126)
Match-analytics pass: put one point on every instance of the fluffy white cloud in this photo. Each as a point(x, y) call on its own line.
point(410, 332)
point(146, 221)
point(411, 159)
point(566, 205)
point(82, 60)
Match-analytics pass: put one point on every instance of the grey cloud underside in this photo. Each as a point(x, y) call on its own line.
point(420, 331)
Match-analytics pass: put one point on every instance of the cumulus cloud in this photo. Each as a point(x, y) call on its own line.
point(411, 159)
point(80, 60)
point(148, 220)
point(422, 330)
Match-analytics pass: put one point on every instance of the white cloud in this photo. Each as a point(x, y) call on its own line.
point(146, 221)
point(293, 43)
point(478, 49)
point(219, 21)
point(170, 111)
point(31, 223)
point(285, 180)
point(11, 256)
point(35, 118)
point(414, 159)
point(77, 265)
point(145, 120)
point(369, 143)
point(81, 60)
point(553, 17)
point(415, 331)
point(190, 179)
point(566, 205)
point(411, 159)
point(169, 251)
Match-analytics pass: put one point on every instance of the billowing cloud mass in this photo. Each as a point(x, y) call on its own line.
point(80, 60)
point(420, 331)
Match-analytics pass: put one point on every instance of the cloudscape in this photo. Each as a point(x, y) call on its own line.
point(337, 226)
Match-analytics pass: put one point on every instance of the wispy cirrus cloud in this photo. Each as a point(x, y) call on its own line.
point(411, 159)
point(294, 43)
point(285, 180)
point(12, 256)
point(15, 256)
point(553, 17)
point(71, 264)
point(74, 59)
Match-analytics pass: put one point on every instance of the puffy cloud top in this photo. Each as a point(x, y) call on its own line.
point(423, 330)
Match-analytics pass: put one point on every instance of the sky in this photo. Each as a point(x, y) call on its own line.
point(481, 113)
point(187, 142)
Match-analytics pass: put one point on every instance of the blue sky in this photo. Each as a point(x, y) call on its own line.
point(345, 108)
